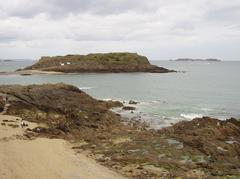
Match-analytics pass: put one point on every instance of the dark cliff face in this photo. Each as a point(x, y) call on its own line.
point(105, 63)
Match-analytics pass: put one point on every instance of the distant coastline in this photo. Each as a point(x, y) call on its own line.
point(6, 60)
point(197, 60)
point(13, 60)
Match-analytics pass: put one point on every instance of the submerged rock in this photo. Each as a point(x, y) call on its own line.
point(128, 108)
point(132, 102)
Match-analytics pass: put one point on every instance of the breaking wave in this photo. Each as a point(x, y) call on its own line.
point(191, 115)
point(85, 88)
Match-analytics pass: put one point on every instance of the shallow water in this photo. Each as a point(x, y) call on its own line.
point(205, 89)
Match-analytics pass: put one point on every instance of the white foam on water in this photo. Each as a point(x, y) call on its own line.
point(107, 99)
point(191, 115)
point(85, 88)
point(206, 109)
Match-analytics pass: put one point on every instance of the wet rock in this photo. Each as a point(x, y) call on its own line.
point(63, 127)
point(128, 108)
point(132, 102)
point(208, 136)
point(158, 171)
point(234, 121)
point(175, 143)
point(13, 125)
point(93, 146)
point(195, 173)
point(2, 104)
point(161, 156)
point(111, 104)
point(78, 123)
point(39, 129)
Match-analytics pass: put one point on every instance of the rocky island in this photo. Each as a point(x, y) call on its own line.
point(201, 148)
point(99, 63)
point(197, 60)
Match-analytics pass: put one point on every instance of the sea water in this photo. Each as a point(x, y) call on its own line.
point(200, 89)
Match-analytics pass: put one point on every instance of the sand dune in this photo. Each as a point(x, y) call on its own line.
point(43, 158)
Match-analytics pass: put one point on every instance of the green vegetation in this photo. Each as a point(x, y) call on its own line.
point(99, 62)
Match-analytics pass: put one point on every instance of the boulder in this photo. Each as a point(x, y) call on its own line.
point(132, 102)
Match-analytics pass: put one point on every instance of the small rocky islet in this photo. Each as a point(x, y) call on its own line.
point(197, 60)
point(124, 62)
point(201, 148)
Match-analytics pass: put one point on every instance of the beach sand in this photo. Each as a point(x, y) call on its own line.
point(42, 157)
point(31, 72)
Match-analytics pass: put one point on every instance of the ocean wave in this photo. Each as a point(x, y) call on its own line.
point(154, 102)
point(206, 109)
point(191, 115)
point(107, 99)
point(86, 88)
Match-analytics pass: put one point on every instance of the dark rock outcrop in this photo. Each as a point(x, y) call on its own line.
point(100, 63)
point(128, 108)
point(219, 140)
point(62, 107)
point(132, 102)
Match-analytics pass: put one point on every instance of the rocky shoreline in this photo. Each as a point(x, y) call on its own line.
point(201, 148)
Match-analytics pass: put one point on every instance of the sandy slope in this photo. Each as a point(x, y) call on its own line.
point(43, 158)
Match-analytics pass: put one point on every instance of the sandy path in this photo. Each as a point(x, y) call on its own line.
point(44, 158)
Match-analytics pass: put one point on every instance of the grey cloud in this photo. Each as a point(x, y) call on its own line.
point(137, 25)
point(7, 38)
point(183, 28)
point(225, 14)
point(59, 8)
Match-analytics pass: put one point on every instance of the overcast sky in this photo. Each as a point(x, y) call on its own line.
point(159, 29)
